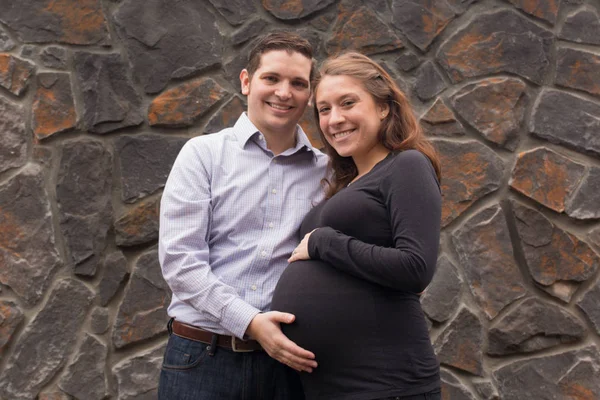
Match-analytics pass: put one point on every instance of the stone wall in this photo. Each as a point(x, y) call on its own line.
point(98, 96)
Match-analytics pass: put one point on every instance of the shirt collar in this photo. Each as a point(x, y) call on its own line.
point(245, 130)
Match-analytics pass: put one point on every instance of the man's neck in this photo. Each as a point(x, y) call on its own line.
point(278, 143)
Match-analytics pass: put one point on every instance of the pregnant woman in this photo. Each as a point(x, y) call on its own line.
point(370, 248)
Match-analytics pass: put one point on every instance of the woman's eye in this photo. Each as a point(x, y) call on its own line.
point(323, 110)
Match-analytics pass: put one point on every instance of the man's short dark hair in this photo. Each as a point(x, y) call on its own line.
point(280, 40)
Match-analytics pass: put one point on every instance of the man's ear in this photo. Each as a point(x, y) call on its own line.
point(245, 82)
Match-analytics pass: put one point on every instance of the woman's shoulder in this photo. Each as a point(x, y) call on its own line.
point(410, 164)
point(410, 158)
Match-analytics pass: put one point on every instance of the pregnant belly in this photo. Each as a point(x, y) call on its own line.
point(328, 305)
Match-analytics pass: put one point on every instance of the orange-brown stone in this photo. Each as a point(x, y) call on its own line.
point(309, 126)
point(15, 73)
point(470, 172)
point(579, 70)
point(363, 31)
point(138, 225)
point(546, 177)
point(226, 116)
point(545, 9)
point(439, 120)
point(182, 105)
point(53, 105)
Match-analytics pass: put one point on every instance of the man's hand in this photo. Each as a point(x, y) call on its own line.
point(265, 328)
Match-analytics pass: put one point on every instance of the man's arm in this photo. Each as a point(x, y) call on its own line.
point(185, 217)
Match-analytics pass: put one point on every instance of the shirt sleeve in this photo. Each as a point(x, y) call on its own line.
point(185, 218)
point(411, 193)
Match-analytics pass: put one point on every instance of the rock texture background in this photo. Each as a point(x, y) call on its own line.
point(98, 96)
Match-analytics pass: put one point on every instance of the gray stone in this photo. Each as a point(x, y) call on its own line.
point(471, 172)
point(578, 69)
point(583, 204)
point(54, 57)
point(503, 41)
point(13, 140)
point(115, 269)
point(322, 22)
point(460, 344)
point(442, 296)
point(226, 116)
point(486, 390)
point(407, 61)
point(234, 65)
point(439, 120)
point(28, 253)
point(453, 388)
point(362, 30)
point(236, 12)
point(99, 320)
point(145, 161)
point(6, 43)
point(551, 377)
point(590, 305)
point(15, 73)
point(29, 52)
point(495, 107)
point(53, 109)
point(83, 192)
point(110, 101)
point(85, 378)
point(249, 31)
point(166, 39)
point(531, 326)
point(46, 342)
point(64, 21)
point(143, 312)
point(460, 6)
point(582, 26)
point(553, 256)
point(563, 118)
point(10, 318)
point(429, 82)
point(421, 21)
point(137, 377)
point(594, 236)
point(138, 225)
point(485, 249)
point(294, 9)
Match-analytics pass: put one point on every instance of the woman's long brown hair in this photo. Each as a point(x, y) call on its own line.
point(399, 131)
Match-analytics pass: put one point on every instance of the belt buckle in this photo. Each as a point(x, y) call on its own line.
point(236, 350)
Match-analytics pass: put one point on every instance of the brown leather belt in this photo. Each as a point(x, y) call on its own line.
point(200, 335)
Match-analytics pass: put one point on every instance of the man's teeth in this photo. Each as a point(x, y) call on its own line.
point(341, 134)
point(278, 107)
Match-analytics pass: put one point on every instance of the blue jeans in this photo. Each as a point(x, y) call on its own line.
point(190, 373)
point(435, 394)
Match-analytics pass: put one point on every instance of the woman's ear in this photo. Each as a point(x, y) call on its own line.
point(384, 110)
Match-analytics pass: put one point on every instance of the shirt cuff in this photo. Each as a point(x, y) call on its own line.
point(237, 316)
point(318, 242)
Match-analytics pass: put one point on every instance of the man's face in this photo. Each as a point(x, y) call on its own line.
point(278, 92)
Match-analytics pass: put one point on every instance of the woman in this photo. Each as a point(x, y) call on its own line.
point(370, 248)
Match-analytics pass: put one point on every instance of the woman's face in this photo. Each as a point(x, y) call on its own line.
point(349, 117)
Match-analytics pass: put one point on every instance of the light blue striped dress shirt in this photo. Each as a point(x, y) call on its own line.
point(229, 219)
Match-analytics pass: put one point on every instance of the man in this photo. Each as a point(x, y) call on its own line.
point(230, 214)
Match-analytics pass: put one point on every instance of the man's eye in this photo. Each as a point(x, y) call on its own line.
point(302, 85)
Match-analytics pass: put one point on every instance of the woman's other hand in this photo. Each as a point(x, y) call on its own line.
point(301, 251)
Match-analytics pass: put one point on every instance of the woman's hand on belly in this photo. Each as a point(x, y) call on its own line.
point(266, 329)
point(301, 251)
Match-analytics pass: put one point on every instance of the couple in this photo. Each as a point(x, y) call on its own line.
point(250, 305)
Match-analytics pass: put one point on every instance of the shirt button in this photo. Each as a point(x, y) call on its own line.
point(271, 225)
point(263, 253)
point(274, 191)
point(253, 287)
